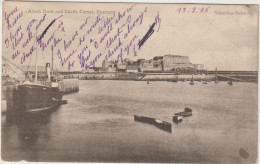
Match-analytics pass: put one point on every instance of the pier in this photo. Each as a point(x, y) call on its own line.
point(237, 76)
point(69, 85)
point(227, 78)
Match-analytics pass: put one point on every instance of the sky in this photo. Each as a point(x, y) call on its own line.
point(222, 36)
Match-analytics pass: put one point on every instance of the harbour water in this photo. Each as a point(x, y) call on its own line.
point(97, 125)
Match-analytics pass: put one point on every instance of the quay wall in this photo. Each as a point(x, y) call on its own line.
point(137, 76)
point(157, 76)
point(9, 98)
point(178, 77)
point(69, 85)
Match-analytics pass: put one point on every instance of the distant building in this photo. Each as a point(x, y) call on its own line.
point(106, 63)
point(157, 64)
point(198, 66)
point(89, 70)
point(139, 61)
point(121, 67)
point(172, 62)
point(109, 66)
point(132, 68)
point(126, 61)
point(147, 65)
point(157, 60)
point(150, 69)
point(99, 69)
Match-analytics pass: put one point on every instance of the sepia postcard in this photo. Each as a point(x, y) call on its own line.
point(129, 82)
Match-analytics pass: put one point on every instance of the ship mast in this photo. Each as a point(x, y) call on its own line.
point(41, 36)
point(51, 61)
point(35, 80)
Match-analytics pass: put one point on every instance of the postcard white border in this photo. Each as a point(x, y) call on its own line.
point(257, 2)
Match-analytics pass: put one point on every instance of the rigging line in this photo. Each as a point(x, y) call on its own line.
point(55, 72)
point(29, 63)
point(31, 56)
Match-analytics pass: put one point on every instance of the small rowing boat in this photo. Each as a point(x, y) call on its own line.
point(177, 118)
point(187, 112)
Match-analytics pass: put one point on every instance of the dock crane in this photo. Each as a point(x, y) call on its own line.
point(17, 70)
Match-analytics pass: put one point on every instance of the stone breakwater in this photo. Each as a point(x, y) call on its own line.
point(178, 77)
point(139, 76)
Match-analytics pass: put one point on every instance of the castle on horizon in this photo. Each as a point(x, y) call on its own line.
point(168, 63)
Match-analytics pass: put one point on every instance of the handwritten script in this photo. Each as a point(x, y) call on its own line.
point(91, 40)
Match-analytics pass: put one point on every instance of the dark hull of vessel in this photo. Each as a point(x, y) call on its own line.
point(177, 118)
point(37, 98)
point(187, 112)
point(156, 122)
point(184, 114)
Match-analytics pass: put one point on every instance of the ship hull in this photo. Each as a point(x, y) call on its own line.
point(37, 98)
point(156, 122)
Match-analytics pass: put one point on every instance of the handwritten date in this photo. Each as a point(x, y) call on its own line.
point(193, 10)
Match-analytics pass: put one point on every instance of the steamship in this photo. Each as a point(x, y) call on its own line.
point(34, 97)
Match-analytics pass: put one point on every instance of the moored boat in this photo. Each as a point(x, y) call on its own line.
point(36, 97)
point(205, 79)
point(177, 118)
point(154, 121)
point(216, 76)
point(191, 81)
point(184, 114)
point(230, 83)
point(175, 80)
point(148, 81)
point(187, 109)
point(187, 112)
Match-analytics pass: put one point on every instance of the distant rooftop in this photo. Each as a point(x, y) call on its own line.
point(175, 55)
point(132, 67)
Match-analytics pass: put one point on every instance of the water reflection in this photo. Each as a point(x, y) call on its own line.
point(32, 133)
point(97, 125)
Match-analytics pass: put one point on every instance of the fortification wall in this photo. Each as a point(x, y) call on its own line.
point(176, 59)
